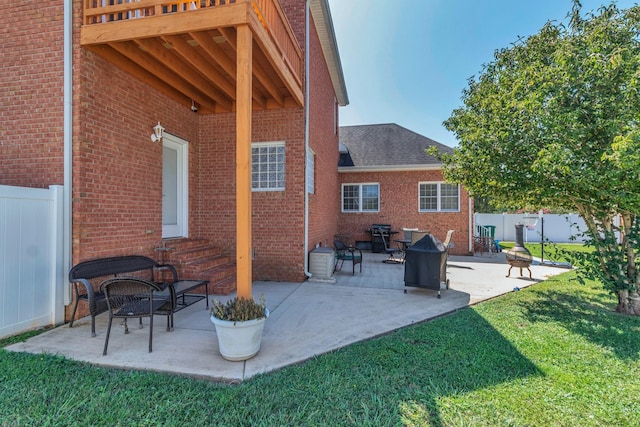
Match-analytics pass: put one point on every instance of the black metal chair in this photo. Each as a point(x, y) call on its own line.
point(83, 274)
point(347, 253)
point(390, 250)
point(129, 297)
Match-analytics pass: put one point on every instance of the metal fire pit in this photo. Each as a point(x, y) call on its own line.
point(519, 256)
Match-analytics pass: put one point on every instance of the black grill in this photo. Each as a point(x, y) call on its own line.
point(377, 245)
point(425, 264)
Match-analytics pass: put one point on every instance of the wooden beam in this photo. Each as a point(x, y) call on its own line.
point(178, 66)
point(215, 52)
point(190, 54)
point(172, 23)
point(259, 73)
point(262, 77)
point(243, 161)
point(139, 72)
point(160, 71)
point(291, 80)
point(196, 70)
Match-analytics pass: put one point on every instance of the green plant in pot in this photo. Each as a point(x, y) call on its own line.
point(239, 324)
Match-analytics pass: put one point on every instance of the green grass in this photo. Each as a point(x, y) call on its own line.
point(554, 354)
point(552, 251)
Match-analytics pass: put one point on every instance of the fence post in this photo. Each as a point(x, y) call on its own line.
point(58, 277)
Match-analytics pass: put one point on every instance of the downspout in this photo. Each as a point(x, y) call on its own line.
point(68, 143)
point(306, 137)
point(470, 226)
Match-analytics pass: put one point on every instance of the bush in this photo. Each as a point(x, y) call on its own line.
point(239, 309)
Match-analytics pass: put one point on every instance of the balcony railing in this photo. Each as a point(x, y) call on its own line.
point(269, 13)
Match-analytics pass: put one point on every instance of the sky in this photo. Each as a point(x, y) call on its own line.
point(408, 61)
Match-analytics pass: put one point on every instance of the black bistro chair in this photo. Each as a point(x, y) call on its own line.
point(129, 297)
point(347, 253)
point(390, 250)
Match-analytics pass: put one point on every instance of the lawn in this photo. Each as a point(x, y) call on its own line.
point(556, 252)
point(551, 354)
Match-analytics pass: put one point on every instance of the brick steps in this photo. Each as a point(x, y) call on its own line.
point(198, 259)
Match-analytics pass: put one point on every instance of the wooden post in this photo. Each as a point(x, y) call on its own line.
point(243, 160)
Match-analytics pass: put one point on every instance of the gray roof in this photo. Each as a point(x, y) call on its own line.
point(388, 144)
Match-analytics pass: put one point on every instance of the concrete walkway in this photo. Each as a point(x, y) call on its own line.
point(307, 319)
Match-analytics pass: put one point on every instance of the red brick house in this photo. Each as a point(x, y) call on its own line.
point(247, 91)
point(386, 177)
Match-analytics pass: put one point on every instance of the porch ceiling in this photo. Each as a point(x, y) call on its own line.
point(188, 49)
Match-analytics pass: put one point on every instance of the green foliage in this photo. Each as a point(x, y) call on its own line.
point(608, 256)
point(555, 252)
point(239, 309)
point(553, 121)
point(484, 205)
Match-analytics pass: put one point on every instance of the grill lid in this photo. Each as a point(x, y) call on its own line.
point(428, 243)
point(382, 226)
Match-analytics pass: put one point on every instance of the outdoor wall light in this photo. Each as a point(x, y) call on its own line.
point(157, 132)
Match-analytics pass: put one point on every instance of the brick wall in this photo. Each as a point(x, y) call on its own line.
point(117, 169)
point(31, 84)
point(278, 216)
point(324, 207)
point(399, 207)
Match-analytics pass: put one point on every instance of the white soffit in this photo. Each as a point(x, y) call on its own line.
point(324, 26)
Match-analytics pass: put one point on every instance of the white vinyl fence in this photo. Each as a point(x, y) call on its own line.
point(557, 228)
point(32, 275)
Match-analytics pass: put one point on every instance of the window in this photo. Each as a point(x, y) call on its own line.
point(438, 196)
point(311, 159)
point(267, 166)
point(449, 197)
point(360, 197)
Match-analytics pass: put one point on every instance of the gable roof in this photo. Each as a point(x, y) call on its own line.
point(386, 147)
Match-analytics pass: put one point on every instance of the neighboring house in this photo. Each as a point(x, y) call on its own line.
point(242, 183)
point(387, 178)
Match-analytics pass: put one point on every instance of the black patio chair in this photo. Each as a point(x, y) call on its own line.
point(347, 253)
point(129, 297)
point(392, 251)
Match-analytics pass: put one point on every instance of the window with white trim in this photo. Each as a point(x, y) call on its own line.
point(268, 166)
point(360, 197)
point(438, 197)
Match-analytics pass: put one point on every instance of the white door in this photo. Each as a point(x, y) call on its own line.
point(175, 196)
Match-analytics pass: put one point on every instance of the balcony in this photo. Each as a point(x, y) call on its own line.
point(189, 49)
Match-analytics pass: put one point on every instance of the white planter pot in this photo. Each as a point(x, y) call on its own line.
point(239, 340)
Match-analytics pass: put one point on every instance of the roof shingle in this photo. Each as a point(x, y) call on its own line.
point(386, 145)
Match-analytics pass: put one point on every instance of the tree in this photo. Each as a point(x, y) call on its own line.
point(554, 120)
point(484, 205)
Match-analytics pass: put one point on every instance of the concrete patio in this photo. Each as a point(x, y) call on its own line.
point(307, 319)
